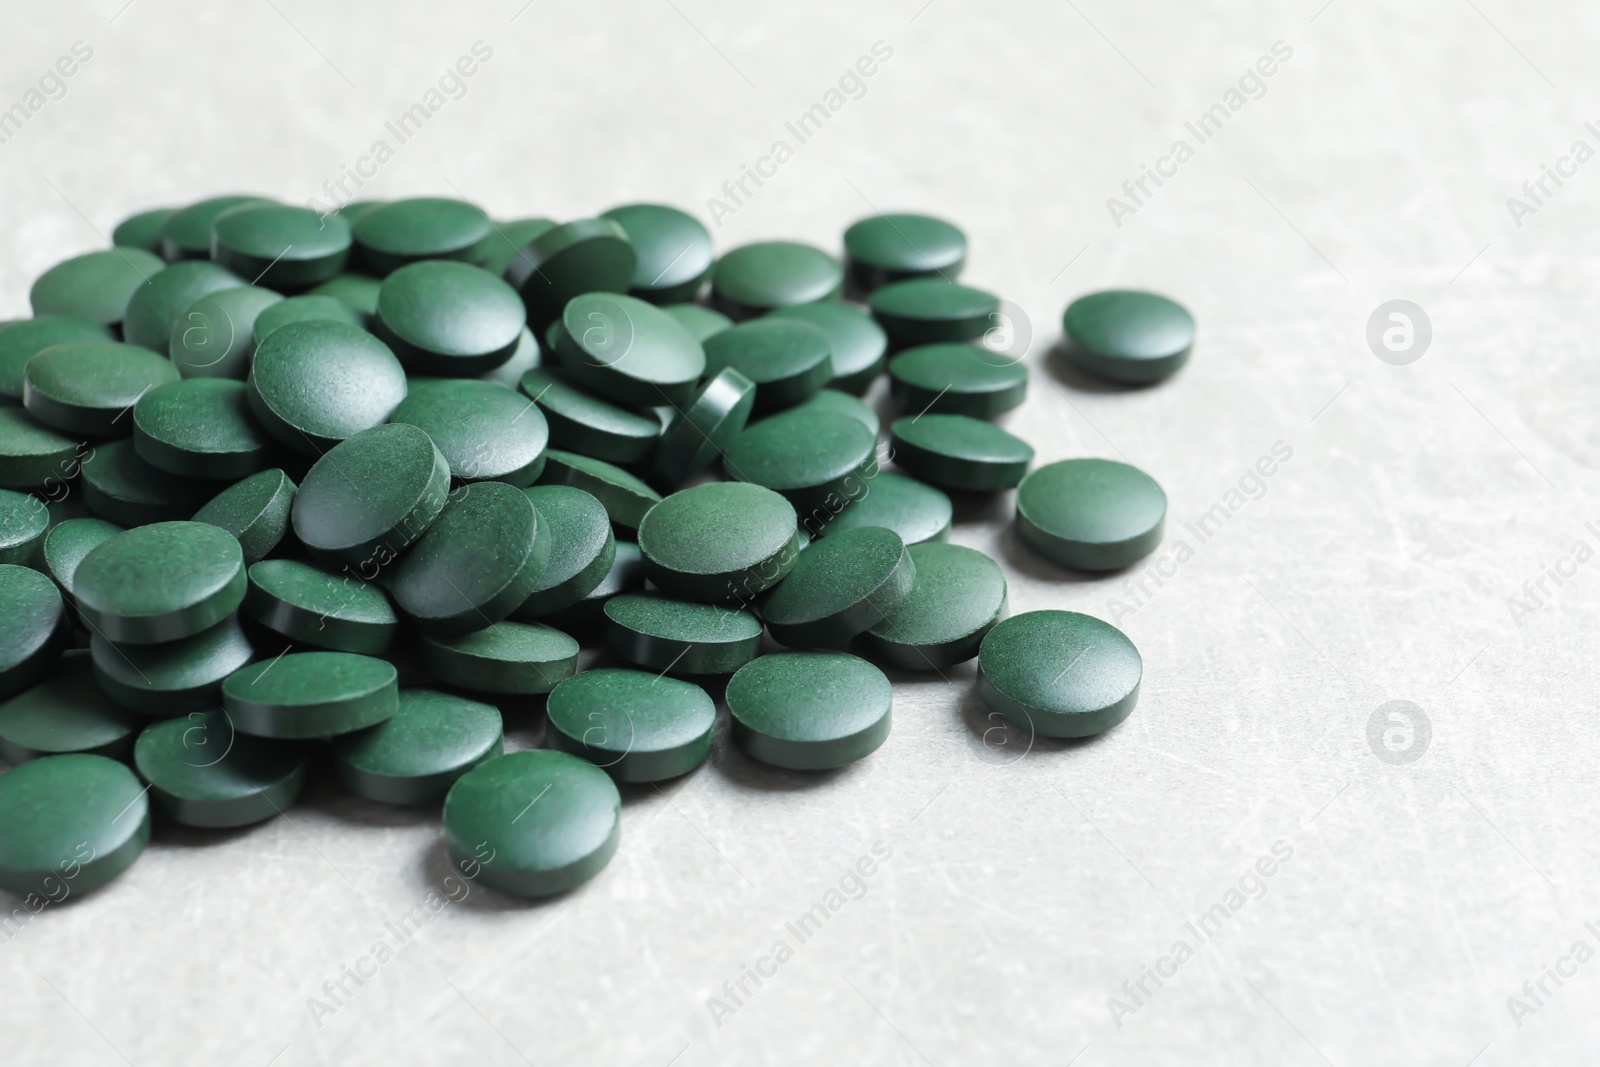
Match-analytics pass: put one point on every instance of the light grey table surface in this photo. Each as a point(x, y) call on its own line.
point(1024, 885)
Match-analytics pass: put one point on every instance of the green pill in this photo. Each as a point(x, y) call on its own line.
point(302, 695)
point(21, 341)
point(161, 582)
point(700, 321)
point(324, 609)
point(586, 619)
point(533, 823)
point(448, 318)
point(958, 596)
point(626, 499)
point(892, 248)
point(142, 230)
point(200, 428)
point(314, 384)
point(809, 711)
point(581, 553)
point(187, 232)
point(673, 251)
point(484, 431)
point(23, 522)
point(34, 456)
point(586, 256)
point(628, 350)
point(154, 307)
point(719, 542)
point(758, 277)
point(96, 286)
point(1059, 673)
point(169, 679)
point(1128, 337)
point(955, 379)
point(857, 343)
point(214, 337)
point(402, 232)
point(1091, 514)
point(788, 361)
point(279, 246)
point(307, 307)
point(636, 727)
point(203, 772)
point(370, 497)
point(834, 402)
point(915, 511)
point(929, 310)
point(69, 824)
point(815, 459)
point(35, 627)
point(959, 452)
point(839, 587)
point(708, 424)
point(68, 542)
point(416, 755)
point(508, 657)
point(360, 291)
point(581, 422)
point(65, 713)
point(681, 636)
point(509, 239)
point(523, 359)
point(255, 510)
point(120, 487)
point(89, 387)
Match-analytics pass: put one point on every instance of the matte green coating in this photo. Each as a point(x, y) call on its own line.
point(673, 251)
point(68, 542)
point(279, 246)
point(586, 620)
point(705, 427)
point(187, 232)
point(1091, 514)
point(161, 582)
point(416, 755)
point(308, 307)
point(834, 402)
point(483, 430)
point(314, 384)
point(404, 231)
point(959, 452)
point(448, 318)
point(66, 712)
point(915, 511)
point(310, 694)
point(142, 229)
point(720, 541)
point(582, 549)
point(508, 240)
point(584, 423)
point(839, 587)
point(360, 291)
point(508, 657)
point(681, 636)
point(586, 256)
point(369, 497)
point(956, 379)
point(487, 551)
point(809, 711)
point(927, 310)
point(628, 350)
point(758, 277)
point(95, 286)
point(172, 678)
point(626, 499)
point(523, 359)
point(892, 248)
point(203, 772)
point(154, 307)
point(22, 341)
point(637, 727)
point(69, 824)
point(857, 343)
point(200, 428)
point(700, 321)
point(255, 510)
point(788, 361)
point(1127, 336)
point(33, 455)
point(815, 458)
point(122, 488)
point(215, 336)
point(958, 597)
point(319, 607)
point(533, 823)
point(1059, 673)
point(23, 521)
point(88, 387)
point(34, 627)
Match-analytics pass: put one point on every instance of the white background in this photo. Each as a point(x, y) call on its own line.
point(1023, 889)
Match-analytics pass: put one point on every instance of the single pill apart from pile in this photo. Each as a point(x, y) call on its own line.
point(681, 636)
point(915, 511)
point(582, 548)
point(203, 772)
point(570, 260)
point(673, 251)
point(959, 452)
point(447, 318)
point(320, 608)
point(958, 596)
point(890, 248)
point(279, 246)
point(393, 235)
point(809, 711)
point(839, 587)
point(200, 428)
point(310, 694)
point(23, 522)
point(581, 422)
point(756, 278)
point(21, 341)
point(308, 307)
point(370, 497)
point(187, 232)
point(255, 510)
point(817, 459)
point(635, 726)
point(484, 431)
point(929, 310)
point(1128, 337)
point(95, 286)
point(1091, 514)
point(857, 343)
point(314, 384)
point(789, 361)
point(174, 677)
point(956, 379)
point(69, 824)
point(628, 350)
point(65, 713)
point(723, 541)
point(417, 754)
point(508, 657)
point(1059, 673)
point(161, 582)
point(89, 387)
point(705, 427)
point(215, 336)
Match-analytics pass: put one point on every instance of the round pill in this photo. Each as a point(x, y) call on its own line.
point(839, 587)
point(524, 358)
point(200, 428)
point(892, 248)
point(915, 511)
point(255, 510)
point(928, 310)
point(700, 321)
point(321, 608)
point(809, 711)
point(360, 291)
point(681, 636)
point(65, 713)
point(161, 582)
point(958, 596)
point(857, 343)
point(310, 694)
point(1128, 337)
point(834, 402)
point(815, 459)
point(708, 424)
point(279, 246)
point(88, 387)
point(508, 657)
point(1091, 514)
point(626, 499)
point(96, 286)
point(959, 452)
point(956, 379)
point(404, 231)
point(187, 232)
point(171, 678)
point(758, 277)
point(582, 422)
point(628, 350)
point(720, 541)
point(788, 361)
point(637, 727)
point(34, 630)
point(1059, 673)
point(448, 318)
point(508, 240)
point(586, 256)
point(673, 251)
point(23, 521)
point(68, 542)
point(33, 455)
point(142, 229)
point(369, 497)
point(533, 823)
point(214, 337)
point(120, 487)
point(586, 619)
point(22, 341)
point(307, 307)
point(69, 824)
point(314, 384)
point(154, 307)
point(416, 755)
point(204, 772)
point(581, 553)
point(484, 431)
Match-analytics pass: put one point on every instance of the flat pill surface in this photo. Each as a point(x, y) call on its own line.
point(23, 522)
point(306, 308)
point(1059, 673)
point(703, 428)
point(839, 587)
point(809, 711)
point(635, 726)
point(68, 542)
point(789, 361)
point(581, 549)
point(64, 713)
point(891, 248)
point(203, 772)
point(89, 387)
point(681, 636)
point(483, 430)
point(1091, 514)
point(368, 498)
point(960, 452)
point(758, 277)
point(255, 510)
point(95, 286)
point(187, 232)
point(154, 307)
point(160, 582)
point(392, 235)
point(629, 350)
point(508, 657)
point(701, 322)
point(214, 337)
point(721, 541)
point(321, 608)
point(35, 620)
point(200, 428)
point(673, 251)
point(32, 455)
point(122, 488)
point(586, 256)
point(956, 379)
point(417, 754)
point(448, 318)
point(1128, 336)
point(310, 694)
point(926, 310)
point(582, 422)
point(857, 343)
point(625, 497)
point(915, 511)
point(957, 597)
point(75, 820)
point(173, 677)
point(811, 457)
point(360, 291)
point(279, 246)
point(314, 384)
point(22, 341)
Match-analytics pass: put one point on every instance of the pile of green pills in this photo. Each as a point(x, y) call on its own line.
point(281, 490)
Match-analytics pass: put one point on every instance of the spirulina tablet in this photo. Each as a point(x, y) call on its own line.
point(214, 337)
point(839, 587)
point(637, 727)
point(858, 344)
point(68, 542)
point(32, 455)
point(957, 380)
point(23, 522)
point(35, 627)
point(187, 232)
point(308, 307)
point(891, 248)
point(673, 251)
point(681, 636)
point(69, 824)
point(508, 657)
point(204, 772)
point(161, 582)
point(586, 256)
point(809, 711)
point(360, 291)
point(524, 358)
point(586, 619)
point(789, 361)
point(448, 318)
point(927, 310)
point(314, 384)
point(319, 607)
point(719, 542)
point(582, 549)
point(1127, 336)
point(811, 457)
point(21, 341)
point(171, 678)
point(122, 488)
point(484, 431)
point(95, 286)
point(154, 307)
point(915, 511)
point(65, 713)
point(200, 428)
point(707, 425)
point(89, 387)
point(416, 755)
point(370, 497)
point(393, 235)
point(628, 350)
point(1059, 673)
point(142, 229)
point(700, 321)
point(758, 277)
point(1091, 514)
point(255, 510)
point(958, 596)
point(280, 246)
point(310, 694)
point(508, 241)
point(584, 423)
point(626, 498)
point(959, 452)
